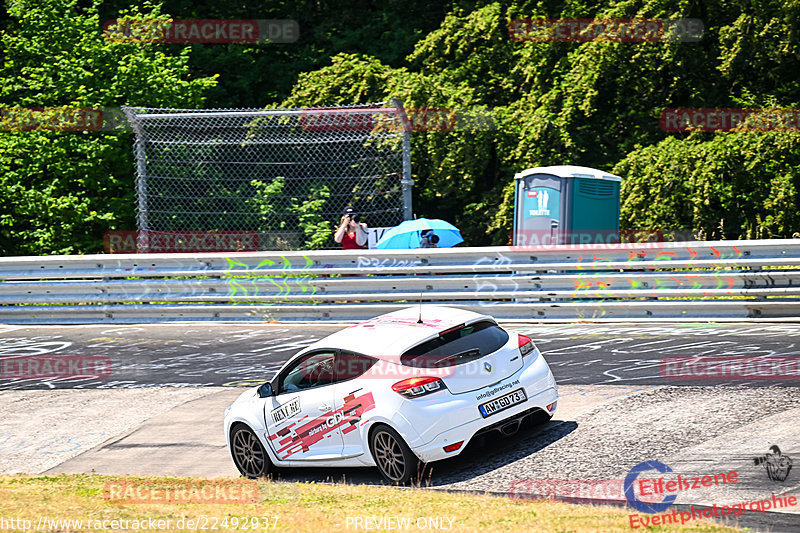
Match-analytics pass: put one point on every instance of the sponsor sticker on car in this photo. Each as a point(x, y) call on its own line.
point(502, 403)
point(286, 410)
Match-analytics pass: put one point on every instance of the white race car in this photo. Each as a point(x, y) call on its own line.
point(397, 391)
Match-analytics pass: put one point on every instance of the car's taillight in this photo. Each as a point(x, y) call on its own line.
point(453, 447)
point(525, 345)
point(416, 387)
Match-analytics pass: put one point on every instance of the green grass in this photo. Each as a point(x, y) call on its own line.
point(302, 507)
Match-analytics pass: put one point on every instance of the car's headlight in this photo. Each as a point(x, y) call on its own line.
point(227, 410)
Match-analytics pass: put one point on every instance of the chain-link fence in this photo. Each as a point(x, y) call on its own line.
point(269, 179)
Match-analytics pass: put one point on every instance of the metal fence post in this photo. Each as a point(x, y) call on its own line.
point(142, 240)
point(406, 180)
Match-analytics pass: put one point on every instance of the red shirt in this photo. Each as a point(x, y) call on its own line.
point(349, 242)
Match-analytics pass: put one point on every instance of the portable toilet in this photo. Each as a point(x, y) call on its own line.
point(566, 205)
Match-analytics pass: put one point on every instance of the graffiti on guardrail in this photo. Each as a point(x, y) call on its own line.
point(722, 278)
point(375, 262)
point(246, 283)
point(598, 284)
point(489, 284)
point(599, 275)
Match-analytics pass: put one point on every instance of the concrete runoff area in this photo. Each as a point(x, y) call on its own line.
point(184, 437)
point(187, 440)
point(42, 429)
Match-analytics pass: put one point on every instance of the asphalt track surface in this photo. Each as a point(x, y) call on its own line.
point(616, 409)
point(238, 355)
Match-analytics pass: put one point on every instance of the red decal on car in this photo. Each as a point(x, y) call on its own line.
point(314, 431)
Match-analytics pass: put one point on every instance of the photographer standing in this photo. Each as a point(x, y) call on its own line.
point(428, 239)
point(351, 233)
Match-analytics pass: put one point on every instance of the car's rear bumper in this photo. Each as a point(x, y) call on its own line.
point(440, 413)
point(540, 388)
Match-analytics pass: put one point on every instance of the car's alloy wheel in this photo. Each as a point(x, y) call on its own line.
point(396, 462)
point(248, 454)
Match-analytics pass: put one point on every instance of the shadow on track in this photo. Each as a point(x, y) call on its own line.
point(483, 454)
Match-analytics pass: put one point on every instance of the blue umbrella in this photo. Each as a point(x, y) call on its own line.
point(408, 234)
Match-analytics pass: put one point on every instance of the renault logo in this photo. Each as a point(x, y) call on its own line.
point(487, 366)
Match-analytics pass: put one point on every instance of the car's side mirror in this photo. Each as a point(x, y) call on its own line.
point(265, 390)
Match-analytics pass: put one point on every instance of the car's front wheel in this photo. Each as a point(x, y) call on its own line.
point(396, 462)
point(249, 455)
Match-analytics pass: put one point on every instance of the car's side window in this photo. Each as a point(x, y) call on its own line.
point(313, 370)
point(351, 365)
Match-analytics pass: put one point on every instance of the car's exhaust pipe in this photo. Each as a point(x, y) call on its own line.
point(510, 428)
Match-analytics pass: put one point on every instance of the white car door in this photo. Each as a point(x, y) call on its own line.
point(353, 399)
point(301, 424)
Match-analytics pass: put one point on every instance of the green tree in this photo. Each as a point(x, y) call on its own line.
point(62, 189)
point(732, 186)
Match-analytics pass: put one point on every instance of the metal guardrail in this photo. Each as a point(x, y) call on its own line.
point(723, 280)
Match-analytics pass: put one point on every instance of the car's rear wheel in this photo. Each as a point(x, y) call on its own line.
point(249, 455)
point(396, 462)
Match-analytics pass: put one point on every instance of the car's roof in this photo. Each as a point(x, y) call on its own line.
point(388, 336)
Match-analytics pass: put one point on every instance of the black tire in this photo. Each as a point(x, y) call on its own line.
point(396, 462)
point(248, 454)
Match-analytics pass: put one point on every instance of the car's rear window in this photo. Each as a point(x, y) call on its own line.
point(457, 346)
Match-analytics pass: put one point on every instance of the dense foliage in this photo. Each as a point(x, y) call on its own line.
point(61, 190)
point(587, 103)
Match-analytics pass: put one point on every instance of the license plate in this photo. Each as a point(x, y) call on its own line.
point(502, 403)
